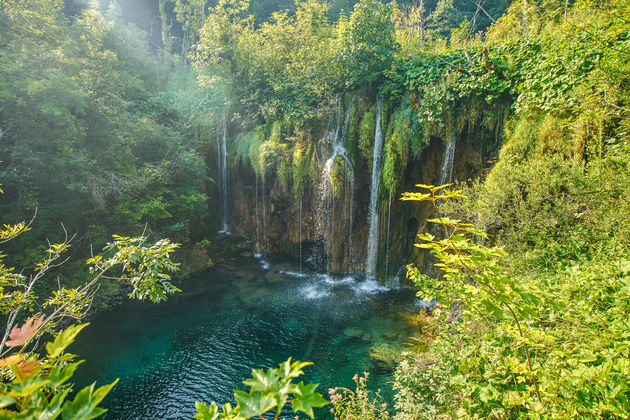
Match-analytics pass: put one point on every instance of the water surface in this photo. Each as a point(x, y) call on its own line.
point(201, 344)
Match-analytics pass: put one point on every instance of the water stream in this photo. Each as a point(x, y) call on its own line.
point(372, 246)
point(337, 134)
point(387, 237)
point(223, 173)
point(201, 344)
point(446, 173)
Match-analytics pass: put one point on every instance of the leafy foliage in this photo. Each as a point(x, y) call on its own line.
point(40, 388)
point(269, 389)
point(510, 346)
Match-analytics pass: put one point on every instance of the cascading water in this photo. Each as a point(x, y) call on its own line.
point(222, 164)
point(256, 216)
point(389, 213)
point(264, 215)
point(372, 248)
point(324, 188)
point(265, 245)
point(300, 235)
point(337, 135)
point(446, 174)
point(344, 153)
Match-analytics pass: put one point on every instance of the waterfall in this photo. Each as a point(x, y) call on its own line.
point(264, 215)
point(324, 188)
point(223, 173)
point(300, 238)
point(257, 218)
point(337, 134)
point(389, 213)
point(372, 249)
point(339, 149)
point(446, 174)
point(344, 153)
point(261, 250)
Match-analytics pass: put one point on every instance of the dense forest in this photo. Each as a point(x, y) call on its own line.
point(475, 151)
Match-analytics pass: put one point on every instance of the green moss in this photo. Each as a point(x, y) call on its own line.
point(367, 128)
point(284, 173)
point(392, 168)
point(247, 148)
point(301, 166)
point(337, 176)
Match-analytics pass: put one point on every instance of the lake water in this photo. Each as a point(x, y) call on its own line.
point(244, 314)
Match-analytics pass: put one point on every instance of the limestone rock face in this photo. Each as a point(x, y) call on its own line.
point(317, 229)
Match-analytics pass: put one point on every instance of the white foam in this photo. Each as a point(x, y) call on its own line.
point(294, 274)
point(369, 287)
point(264, 264)
point(314, 291)
point(334, 281)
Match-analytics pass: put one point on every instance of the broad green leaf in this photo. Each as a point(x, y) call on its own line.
point(206, 413)
point(84, 405)
point(306, 399)
point(263, 381)
point(6, 401)
point(253, 404)
point(229, 413)
point(63, 340)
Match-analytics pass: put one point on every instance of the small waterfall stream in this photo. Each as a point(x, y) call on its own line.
point(372, 248)
point(222, 165)
point(327, 209)
point(262, 250)
point(446, 174)
point(389, 214)
point(300, 235)
point(257, 218)
point(344, 154)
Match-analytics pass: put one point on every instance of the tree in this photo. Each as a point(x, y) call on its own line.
point(368, 43)
point(444, 18)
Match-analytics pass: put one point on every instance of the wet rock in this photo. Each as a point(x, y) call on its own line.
point(353, 333)
point(246, 276)
point(274, 277)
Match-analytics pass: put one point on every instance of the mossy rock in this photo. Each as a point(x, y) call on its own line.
point(385, 356)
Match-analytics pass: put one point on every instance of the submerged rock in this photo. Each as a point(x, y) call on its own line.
point(385, 356)
point(353, 333)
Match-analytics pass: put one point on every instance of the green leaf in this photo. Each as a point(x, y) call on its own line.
point(306, 399)
point(253, 404)
point(6, 401)
point(230, 413)
point(492, 308)
point(84, 405)
point(63, 340)
point(293, 370)
point(205, 413)
point(263, 381)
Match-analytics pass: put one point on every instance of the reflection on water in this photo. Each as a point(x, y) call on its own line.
point(200, 345)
